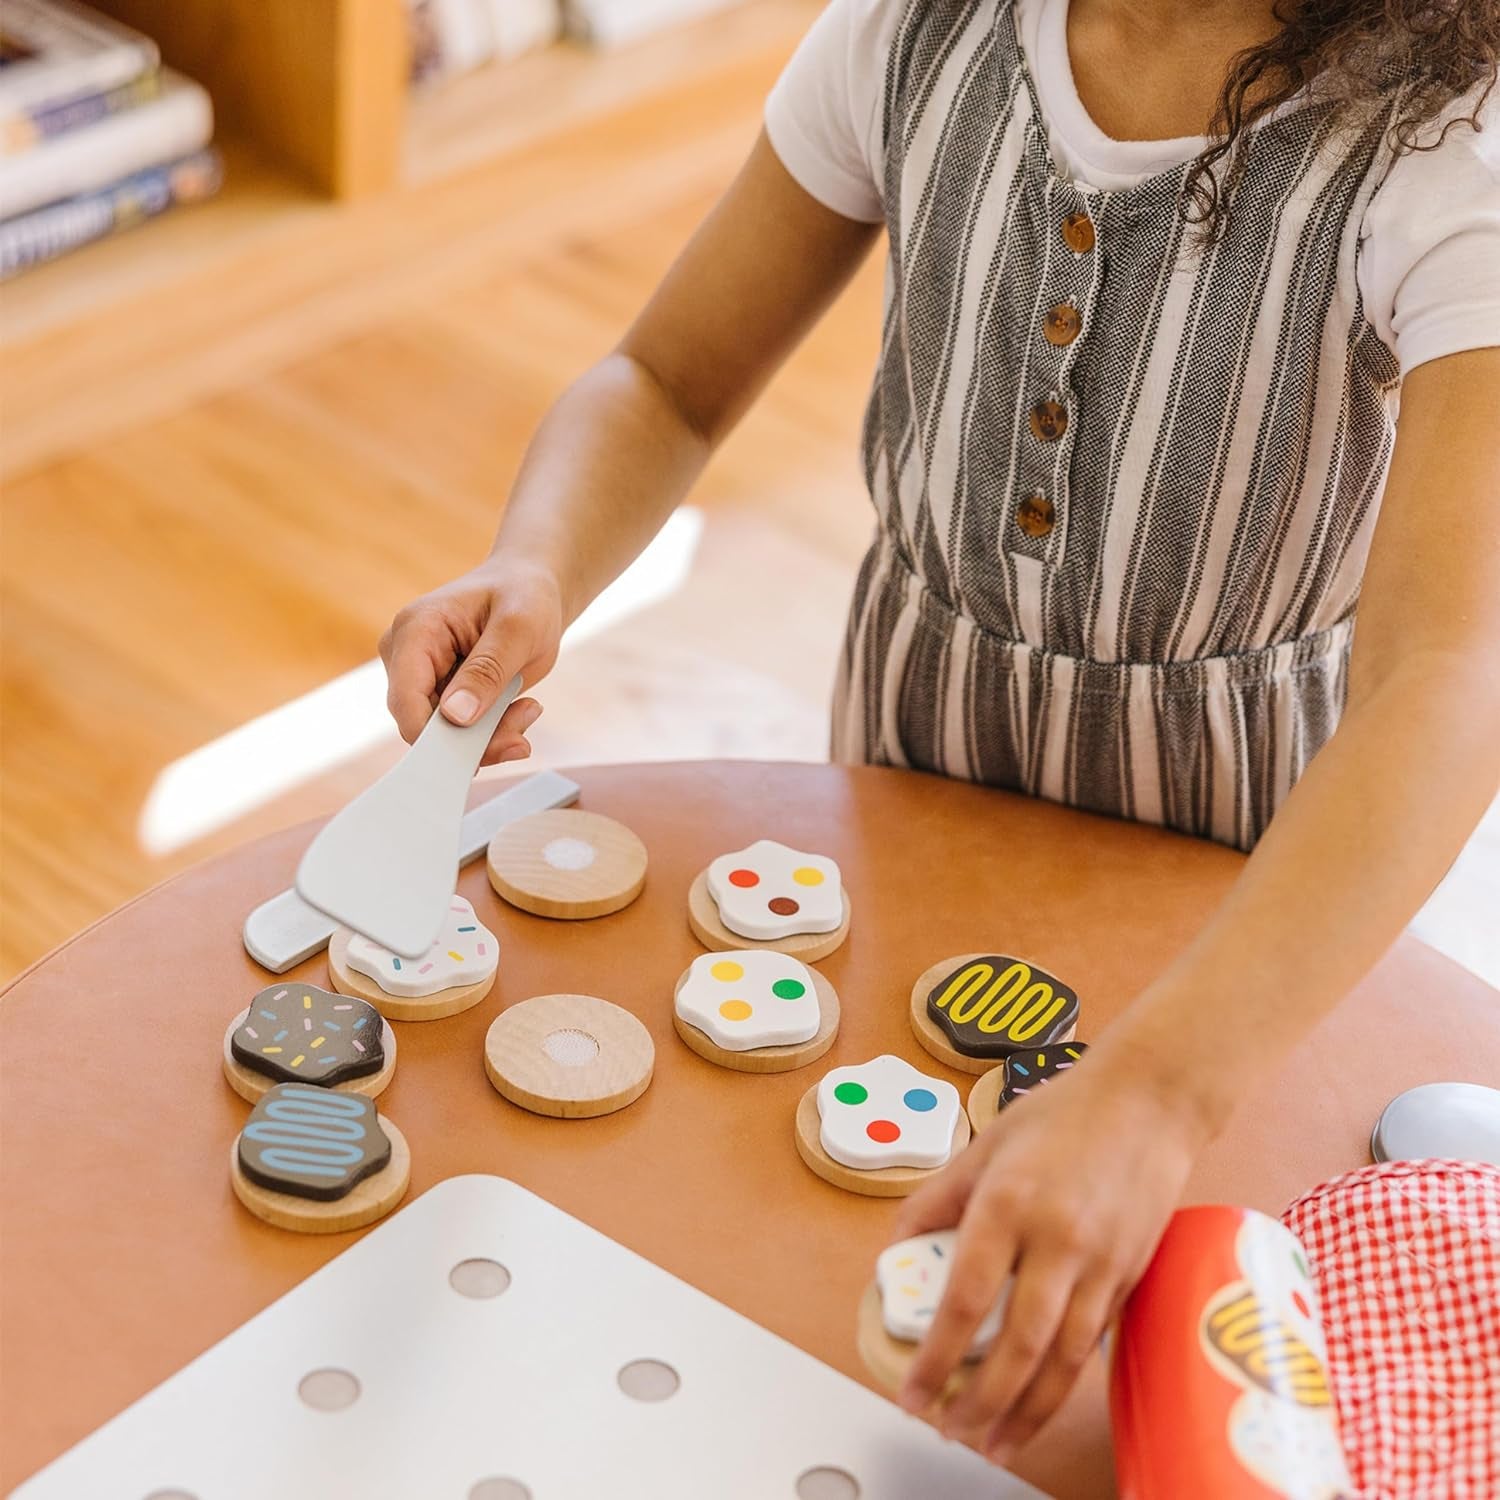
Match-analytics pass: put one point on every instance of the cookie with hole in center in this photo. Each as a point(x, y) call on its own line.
point(569, 1056)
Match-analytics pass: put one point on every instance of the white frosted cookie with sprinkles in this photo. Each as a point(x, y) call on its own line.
point(912, 1276)
point(465, 952)
point(456, 972)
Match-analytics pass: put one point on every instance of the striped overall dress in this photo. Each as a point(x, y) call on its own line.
point(1125, 486)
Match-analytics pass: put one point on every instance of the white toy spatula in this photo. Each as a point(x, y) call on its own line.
point(387, 864)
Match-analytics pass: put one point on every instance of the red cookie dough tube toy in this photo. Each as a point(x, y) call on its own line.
point(1219, 1385)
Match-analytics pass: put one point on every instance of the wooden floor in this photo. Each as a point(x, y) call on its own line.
point(223, 481)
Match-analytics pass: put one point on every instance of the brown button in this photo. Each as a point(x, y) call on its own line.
point(1062, 324)
point(1078, 231)
point(1049, 420)
point(1035, 515)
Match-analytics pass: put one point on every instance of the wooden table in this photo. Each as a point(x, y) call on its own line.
point(123, 1253)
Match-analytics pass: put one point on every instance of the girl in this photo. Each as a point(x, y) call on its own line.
point(1191, 348)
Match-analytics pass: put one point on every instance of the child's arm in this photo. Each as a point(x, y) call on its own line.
point(623, 445)
point(1073, 1189)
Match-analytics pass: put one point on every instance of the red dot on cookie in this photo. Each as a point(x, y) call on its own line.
point(783, 906)
point(884, 1131)
point(743, 878)
point(1300, 1304)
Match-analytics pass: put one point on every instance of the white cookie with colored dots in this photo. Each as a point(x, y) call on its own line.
point(912, 1276)
point(466, 952)
point(768, 891)
point(884, 1113)
point(750, 998)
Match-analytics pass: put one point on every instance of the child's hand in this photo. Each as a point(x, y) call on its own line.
point(499, 619)
point(1070, 1190)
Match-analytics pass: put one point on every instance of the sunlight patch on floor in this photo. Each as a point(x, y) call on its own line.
point(233, 775)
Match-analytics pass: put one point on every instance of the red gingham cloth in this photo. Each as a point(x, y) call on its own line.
point(1406, 1256)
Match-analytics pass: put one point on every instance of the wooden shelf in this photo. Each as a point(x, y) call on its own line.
point(460, 122)
point(256, 202)
point(212, 295)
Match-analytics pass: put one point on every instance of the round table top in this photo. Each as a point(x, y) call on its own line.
point(124, 1253)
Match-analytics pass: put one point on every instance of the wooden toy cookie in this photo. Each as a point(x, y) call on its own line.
point(880, 1128)
point(569, 1056)
point(971, 1012)
point(456, 972)
point(318, 1161)
point(897, 1309)
point(567, 864)
point(1017, 1075)
point(755, 1011)
point(770, 896)
point(298, 1033)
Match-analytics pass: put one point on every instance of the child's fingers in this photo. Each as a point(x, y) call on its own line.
point(1038, 1304)
point(414, 660)
point(509, 739)
point(983, 1255)
point(939, 1203)
point(1089, 1312)
point(502, 649)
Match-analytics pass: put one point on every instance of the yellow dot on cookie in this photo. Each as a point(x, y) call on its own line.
point(727, 970)
point(808, 876)
point(735, 1010)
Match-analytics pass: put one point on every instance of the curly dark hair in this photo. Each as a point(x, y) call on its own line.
point(1414, 57)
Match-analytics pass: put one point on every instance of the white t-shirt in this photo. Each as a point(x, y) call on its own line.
point(1429, 267)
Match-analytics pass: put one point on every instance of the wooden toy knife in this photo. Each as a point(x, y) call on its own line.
point(387, 864)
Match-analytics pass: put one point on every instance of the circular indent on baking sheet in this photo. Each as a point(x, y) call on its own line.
point(328, 1390)
point(171, 1495)
point(827, 1484)
point(479, 1278)
point(648, 1380)
point(499, 1489)
point(569, 1056)
point(570, 1048)
point(567, 863)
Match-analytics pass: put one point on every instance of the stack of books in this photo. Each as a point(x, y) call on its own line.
point(95, 135)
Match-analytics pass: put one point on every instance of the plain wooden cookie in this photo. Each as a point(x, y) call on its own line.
point(567, 863)
point(370, 1199)
point(766, 1059)
point(703, 919)
point(930, 1034)
point(434, 1007)
point(250, 1085)
point(569, 1056)
point(886, 1182)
